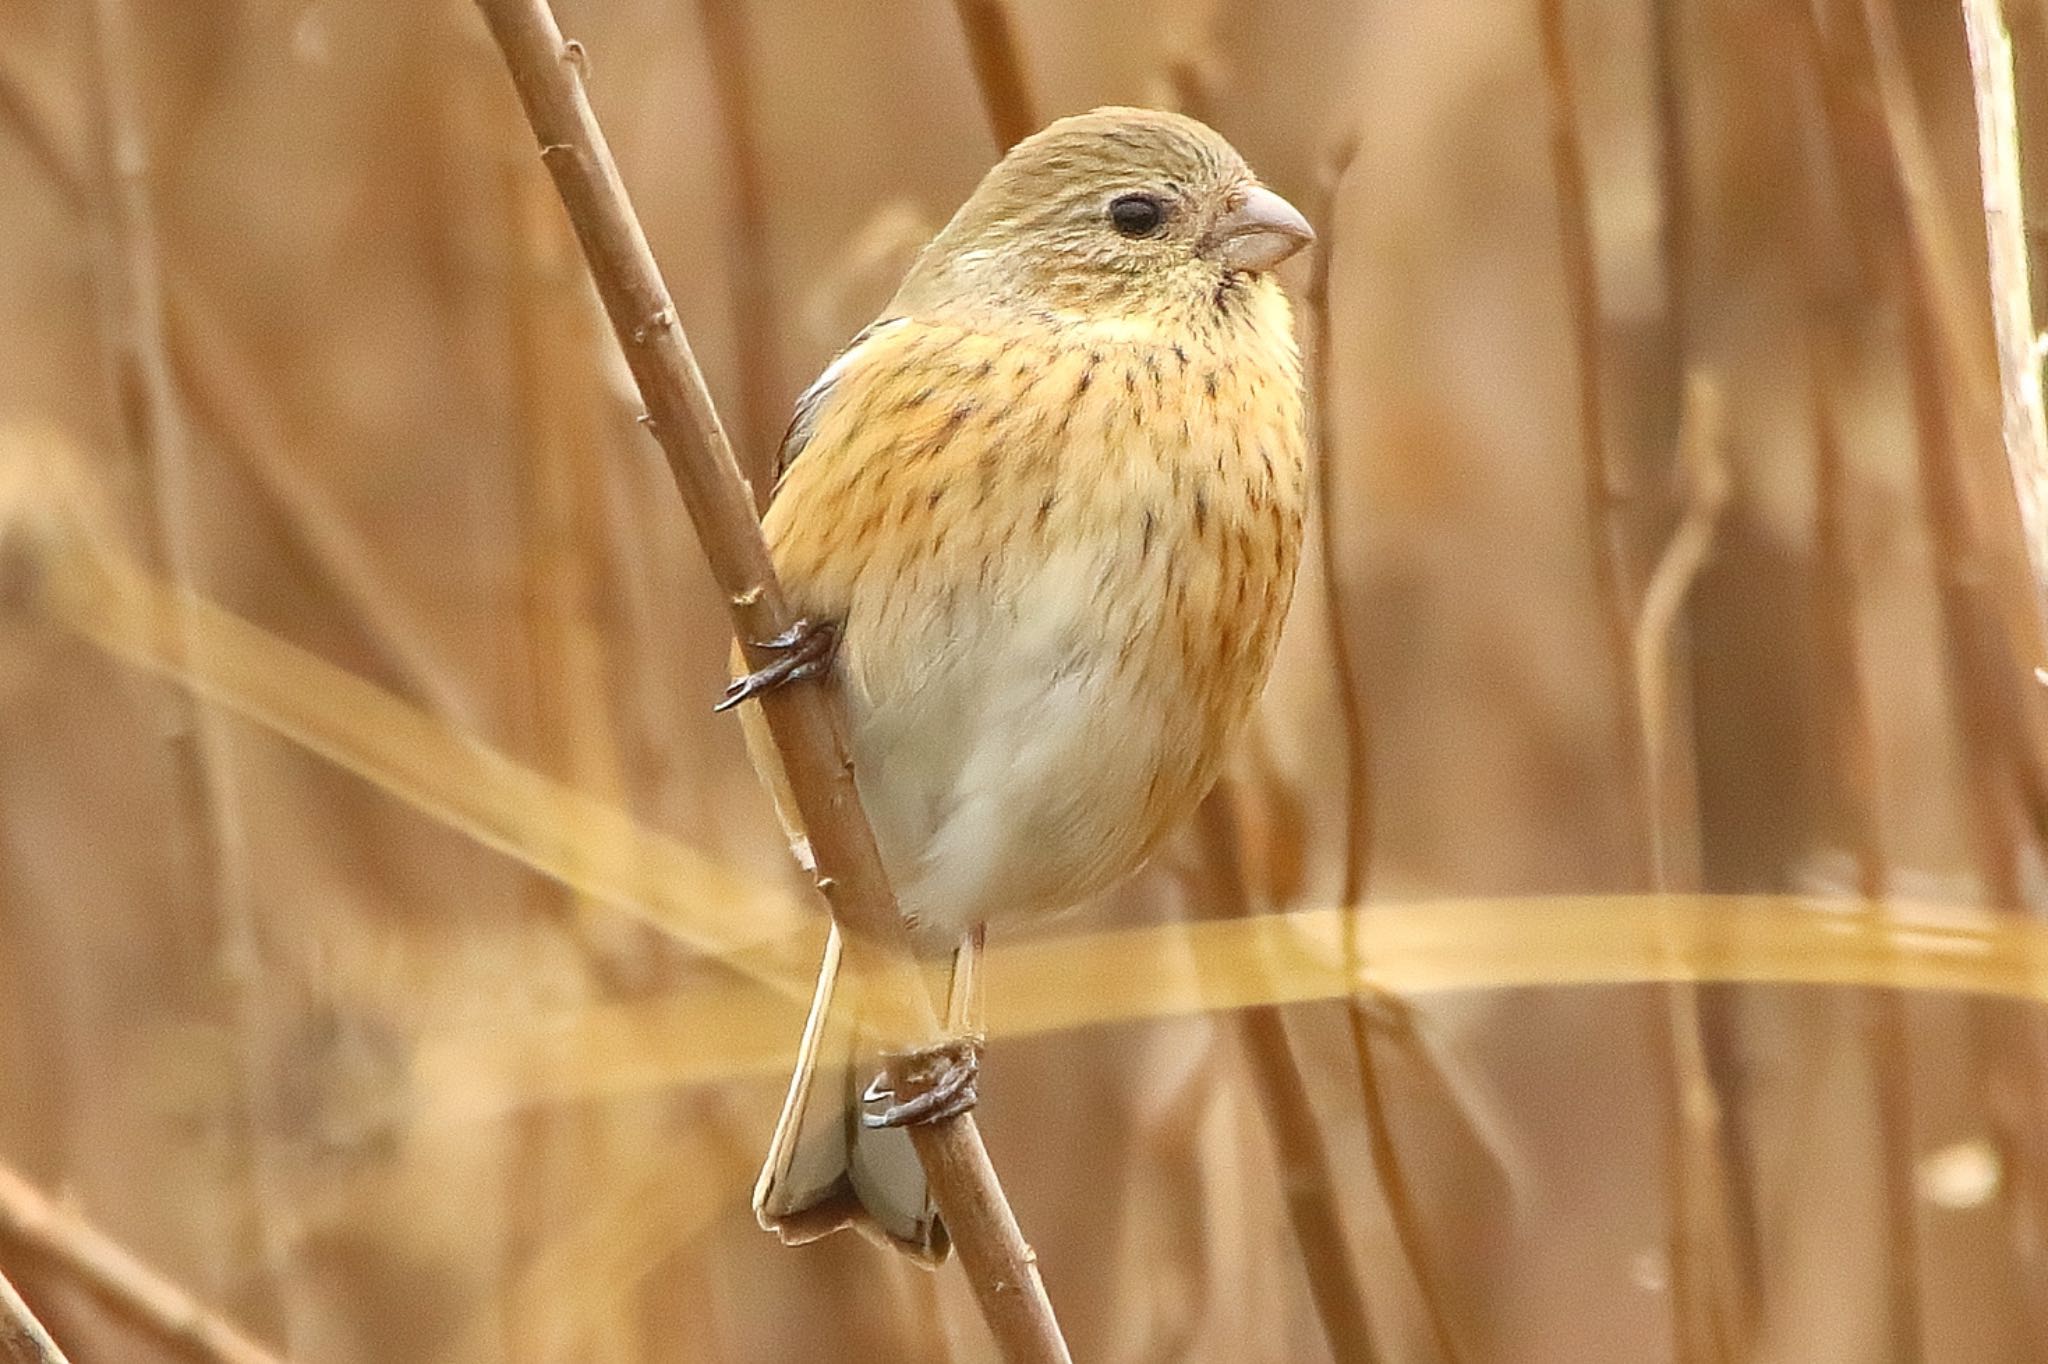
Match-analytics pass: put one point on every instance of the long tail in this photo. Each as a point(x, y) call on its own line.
point(824, 1169)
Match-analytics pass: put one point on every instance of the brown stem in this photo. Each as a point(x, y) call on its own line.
point(127, 1287)
point(1350, 699)
point(2007, 639)
point(1604, 494)
point(1853, 748)
point(998, 69)
point(22, 1338)
point(762, 411)
point(1703, 1280)
point(1706, 475)
point(1401, 1210)
point(153, 424)
point(1882, 158)
point(1852, 735)
point(805, 722)
point(2024, 426)
point(1307, 1180)
point(1674, 182)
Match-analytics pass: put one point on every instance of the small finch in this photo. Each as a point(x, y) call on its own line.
point(1041, 519)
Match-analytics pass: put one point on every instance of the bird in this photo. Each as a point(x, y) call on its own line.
point(1041, 520)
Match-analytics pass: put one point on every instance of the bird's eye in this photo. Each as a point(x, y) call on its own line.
point(1137, 215)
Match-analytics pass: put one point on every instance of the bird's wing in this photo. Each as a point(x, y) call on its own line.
point(813, 400)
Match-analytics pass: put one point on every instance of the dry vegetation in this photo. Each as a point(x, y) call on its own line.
point(398, 958)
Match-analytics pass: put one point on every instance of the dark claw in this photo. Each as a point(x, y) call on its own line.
point(803, 653)
point(951, 1067)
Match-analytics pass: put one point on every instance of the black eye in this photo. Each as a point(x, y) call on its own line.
point(1137, 215)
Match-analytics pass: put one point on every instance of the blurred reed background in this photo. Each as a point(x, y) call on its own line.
point(402, 959)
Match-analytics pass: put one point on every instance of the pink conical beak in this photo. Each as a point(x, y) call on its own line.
point(1261, 231)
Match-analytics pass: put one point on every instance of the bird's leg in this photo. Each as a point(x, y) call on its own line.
point(802, 652)
point(940, 1079)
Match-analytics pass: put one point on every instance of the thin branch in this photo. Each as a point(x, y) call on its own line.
point(998, 69)
point(1401, 1210)
point(805, 722)
point(126, 1286)
point(2012, 302)
point(22, 1338)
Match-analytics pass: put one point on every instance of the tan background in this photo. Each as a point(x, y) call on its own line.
point(229, 1022)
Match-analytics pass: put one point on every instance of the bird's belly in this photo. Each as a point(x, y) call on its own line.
point(1016, 766)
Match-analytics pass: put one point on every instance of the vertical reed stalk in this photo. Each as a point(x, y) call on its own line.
point(1406, 1218)
point(1709, 1316)
point(153, 426)
point(2023, 424)
point(755, 316)
point(991, 34)
point(1308, 1181)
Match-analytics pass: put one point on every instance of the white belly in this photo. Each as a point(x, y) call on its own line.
point(1004, 775)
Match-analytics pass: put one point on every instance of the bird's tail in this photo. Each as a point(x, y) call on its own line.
point(825, 1170)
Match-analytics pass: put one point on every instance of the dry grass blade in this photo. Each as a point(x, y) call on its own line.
point(804, 721)
point(22, 1338)
point(2012, 302)
point(741, 1029)
point(587, 845)
point(592, 847)
point(998, 69)
point(123, 1283)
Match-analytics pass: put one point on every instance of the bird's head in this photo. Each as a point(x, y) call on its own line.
point(1114, 211)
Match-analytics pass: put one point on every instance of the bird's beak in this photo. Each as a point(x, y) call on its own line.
point(1261, 231)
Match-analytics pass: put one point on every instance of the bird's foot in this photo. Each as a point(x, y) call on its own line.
point(941, 1081)
point(803, 652)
